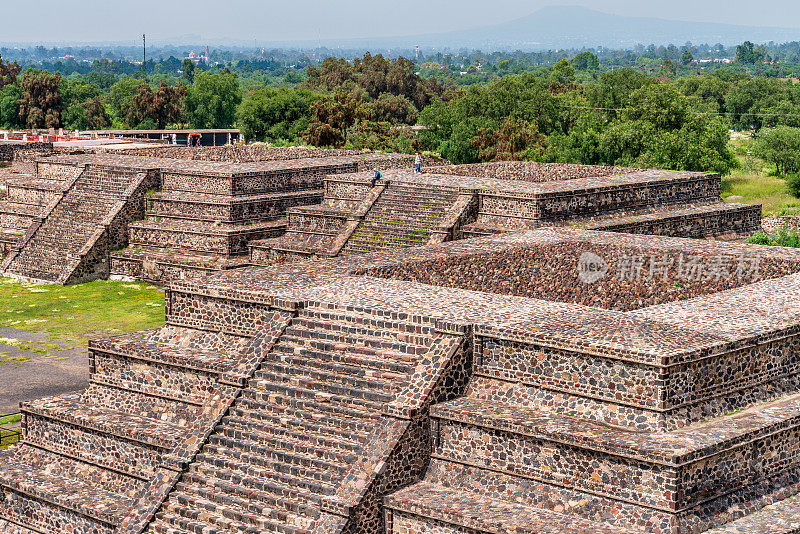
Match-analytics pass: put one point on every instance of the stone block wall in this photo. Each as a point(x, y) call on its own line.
point(772, 225)
point(528, 171)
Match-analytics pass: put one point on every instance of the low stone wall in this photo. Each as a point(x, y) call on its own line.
point(720, 221)
point(57, 171)
point(237, 154)
point(224, 210)
point(298, 179)
point(772, 225)
point(528, 171)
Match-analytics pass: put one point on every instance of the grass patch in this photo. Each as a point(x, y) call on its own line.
point(784, 238)
point(13, 418)
point(9, 435)
point(754, 182)
point(79, 312)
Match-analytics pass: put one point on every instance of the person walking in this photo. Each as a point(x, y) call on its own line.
point(418, 164)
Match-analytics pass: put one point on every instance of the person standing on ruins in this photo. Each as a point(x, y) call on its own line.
point(375, 178)
point(418, 164)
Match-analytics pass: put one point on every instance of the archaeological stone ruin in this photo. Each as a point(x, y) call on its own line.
point(509, 348)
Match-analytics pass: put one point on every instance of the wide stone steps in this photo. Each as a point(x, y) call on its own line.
point(401, 217)
point(279, 436)
point(98, 434)
point(203, 513)
point(388, 321)
point(303, 375)
point(456, 510)
point(295, 476)
point(285, 429)
point(72, 224)
point(278, 449)
point(313, 467)
point(257, 478)
point(274, 508)
point(269, 458)
point(366, 400)
point(270, 402)
point(382, 241)
point(401, 230)
point(270, 493)
point(334, 344)
point(353, 340)
point(301, 422)
point(303, 419)
point(56, 481)
point(348, 364)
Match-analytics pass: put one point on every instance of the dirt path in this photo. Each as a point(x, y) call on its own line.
point(32, 366)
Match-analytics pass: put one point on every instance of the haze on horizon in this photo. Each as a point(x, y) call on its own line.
point(88, 21)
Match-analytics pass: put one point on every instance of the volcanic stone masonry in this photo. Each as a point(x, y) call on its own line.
point(550, 380)
point(454, 202)
point(61, 226)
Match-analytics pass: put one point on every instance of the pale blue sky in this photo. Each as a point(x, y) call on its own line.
point(115, 20)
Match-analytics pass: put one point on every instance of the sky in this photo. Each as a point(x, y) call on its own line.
point(85, 21)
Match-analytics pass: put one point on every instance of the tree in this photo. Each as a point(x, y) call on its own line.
point(9, 70)
point(40, 102)
point(9, 106)
point(748, 54)
point(781, 147)
point(668, 70)
point(585, 61)
point(120, 101)
point(161, 107)
point(96, 114)
point(187, 71)
point(331, 74)
point(212, 100)
point(395, 109)
point(275, 114)
point(333, 115)
point(686, 57)
point(515, 140)
point(563, 73)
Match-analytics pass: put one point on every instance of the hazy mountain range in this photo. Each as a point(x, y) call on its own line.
point(554, 27)
point(578, 27)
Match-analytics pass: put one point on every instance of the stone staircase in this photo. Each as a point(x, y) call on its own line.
point(301, 430)
point(404, 215)
point(71, 239)
point(87, 460)
point(24, 202)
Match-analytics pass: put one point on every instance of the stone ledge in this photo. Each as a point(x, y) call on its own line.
point(455, 506)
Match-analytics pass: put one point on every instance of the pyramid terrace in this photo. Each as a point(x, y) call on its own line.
point(553, 350)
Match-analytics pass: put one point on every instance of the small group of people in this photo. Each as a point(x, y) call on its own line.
point(417, 169)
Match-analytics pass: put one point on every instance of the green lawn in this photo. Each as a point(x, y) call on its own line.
point(79, 312)
point(9, 437)
point(752, 183)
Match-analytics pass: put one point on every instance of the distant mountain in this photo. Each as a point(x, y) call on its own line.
point(576, 27)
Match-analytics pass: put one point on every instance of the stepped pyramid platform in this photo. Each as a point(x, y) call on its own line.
point(207, 212)
point(552, 380)
point(26, 196)
point(83, 217)
point(454, 202)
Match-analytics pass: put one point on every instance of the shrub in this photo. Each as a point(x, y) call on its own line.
point(793, 183)
point(784, 238)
